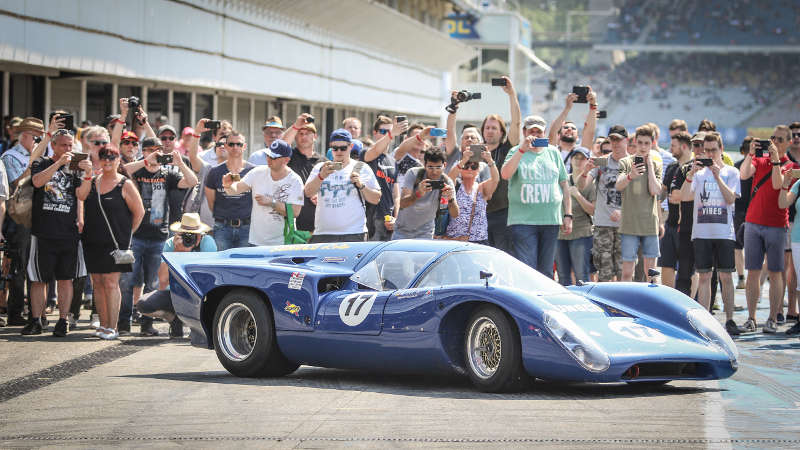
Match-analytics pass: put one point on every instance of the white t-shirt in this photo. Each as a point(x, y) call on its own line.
point(266, 225)
point(713, 217)
point(339, 209)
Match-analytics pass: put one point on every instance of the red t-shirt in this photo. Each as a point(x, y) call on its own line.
point(763, 208)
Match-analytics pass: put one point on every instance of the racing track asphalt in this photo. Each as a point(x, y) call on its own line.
point(81, 392)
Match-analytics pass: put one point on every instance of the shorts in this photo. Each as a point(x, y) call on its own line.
point(760, 240)
point(55, 259)
point(669, 248)
point(99, 259)
point(710, 253)
point(631, 244)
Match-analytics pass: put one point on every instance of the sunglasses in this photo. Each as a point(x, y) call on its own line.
point(697, 144)
point(777, 138)
point(605, 152)
point(383, 131)
point(795, 135)
point(471, 166)
point(128, 142)
point(167, 138)
point(108, 156)
point(98, 143)
point(674, 128)
point(235, 144)
point(340, 148)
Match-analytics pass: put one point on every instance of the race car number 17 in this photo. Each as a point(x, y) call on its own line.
point(355, 308)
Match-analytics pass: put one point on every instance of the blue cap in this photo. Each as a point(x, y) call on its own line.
point(582, 150)
point(279, 149)
point(341, 135)
point(357, 147)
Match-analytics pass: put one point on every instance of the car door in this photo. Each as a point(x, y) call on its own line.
point(353, 312)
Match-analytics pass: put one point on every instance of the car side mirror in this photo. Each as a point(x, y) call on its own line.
point(485, 276)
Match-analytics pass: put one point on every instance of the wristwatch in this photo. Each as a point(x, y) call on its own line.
point(568, 215)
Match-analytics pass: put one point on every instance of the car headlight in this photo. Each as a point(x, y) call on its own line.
point(709, 328)
point(582, 347)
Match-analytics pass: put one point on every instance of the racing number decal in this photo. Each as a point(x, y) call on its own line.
point(635, 331)
point(355, 308)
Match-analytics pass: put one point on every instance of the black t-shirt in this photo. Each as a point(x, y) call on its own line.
point(155, 189)
point(743, 201)
point(499, 200)
point(55, 206)
point(302, 166)
point(673, 209)
point(386, 173)
point(227, 207)
point(687, 218)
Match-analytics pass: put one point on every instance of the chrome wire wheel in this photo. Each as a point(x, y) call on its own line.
point(484, 347)
point(237, 331)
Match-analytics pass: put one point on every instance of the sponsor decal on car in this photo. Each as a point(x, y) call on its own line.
point(355, 308)
point(296, 280)
point(291, 308)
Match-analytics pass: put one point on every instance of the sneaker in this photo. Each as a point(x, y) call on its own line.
point(750, 326)
point(31, 328)
point(780, 319)
point(109, 335)
point(715, 307)
point(17, 321)
point(738, 308)
point(770, 327)
point(61, 329)
point(794, 329)
point(73, 321)
point(95, 321)
point(100, 330)
point(732, 328)
point(2, 322)
point(741, 284)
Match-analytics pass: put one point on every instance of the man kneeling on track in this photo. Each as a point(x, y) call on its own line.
point(190, 236)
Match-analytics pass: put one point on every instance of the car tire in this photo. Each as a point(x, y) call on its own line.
point(493, 352)
point(244, 337)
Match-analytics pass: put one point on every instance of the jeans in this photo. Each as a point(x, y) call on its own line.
point(145, 271)
point(572, 255)
point(499, 236)
point(228, 236)
point(535, 245)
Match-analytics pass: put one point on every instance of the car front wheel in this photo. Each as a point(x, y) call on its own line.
point(244, 337)
point(493, 353)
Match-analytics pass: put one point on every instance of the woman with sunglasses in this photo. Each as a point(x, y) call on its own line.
point(121, 213)
point(471, 196)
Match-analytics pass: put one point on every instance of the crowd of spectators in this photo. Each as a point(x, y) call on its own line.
point(106, 202)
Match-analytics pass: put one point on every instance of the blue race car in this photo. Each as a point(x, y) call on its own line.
point(438, 306)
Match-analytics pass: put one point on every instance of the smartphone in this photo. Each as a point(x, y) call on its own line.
point(436, 184)
point(499, 82)
point(476, 150)
point(77, 157)
point(236, 177)
point(69, 121)
point(212, 124)
point(582, 92)
point(541, 142)
point(338, 165)
point(602, 114)
point(708, 162)
point(600, 162)
point(438, 132)
point(164, 159)
point(763, 146)
point(399, 119)
point(310, 119)
point(638, 160)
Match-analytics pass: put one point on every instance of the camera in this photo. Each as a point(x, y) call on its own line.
point(164, 159)
point(212, 124)
point(582, 92)
point(499, 82)
point(707, 162)
point(461, 96)
point(436, 184)
point(189, 239)
point(310, 119)
point(602, 114)
point(133, 108)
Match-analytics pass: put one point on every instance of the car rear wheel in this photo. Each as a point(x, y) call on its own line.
point(244, 337)
point(493, 352)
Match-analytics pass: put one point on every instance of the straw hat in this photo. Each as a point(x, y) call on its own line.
point(190, 223)
point(31, 124)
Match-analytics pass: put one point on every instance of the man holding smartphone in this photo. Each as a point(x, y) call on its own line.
point(155, 180)
point(713, 186)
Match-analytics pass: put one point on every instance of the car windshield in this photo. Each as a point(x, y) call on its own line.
point(464, 267)
point(392, 270)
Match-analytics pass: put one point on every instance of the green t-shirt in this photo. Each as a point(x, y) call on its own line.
point(639, 213)
point(534, 194)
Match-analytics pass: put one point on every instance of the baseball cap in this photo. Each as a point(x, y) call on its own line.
point(535, 122)
point(619, 131)
point(130, 135)
point(151, 142)
point(341, 135)
point(582, 150)
point(273, 122)
point(699, 136)
point(164, 128)
point(357, 147)
point(279, 149)
point(187, 130)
